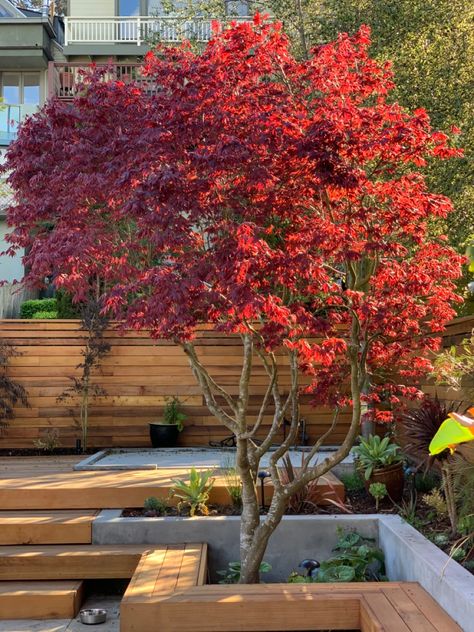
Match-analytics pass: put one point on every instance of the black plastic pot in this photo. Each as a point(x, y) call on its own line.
point(164, 435)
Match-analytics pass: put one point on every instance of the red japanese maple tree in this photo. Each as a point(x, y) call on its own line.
point(279, 199)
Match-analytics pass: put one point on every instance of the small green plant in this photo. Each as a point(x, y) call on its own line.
point(173, 415)
point(441, 539)
point(307, 496)
point(459, 554)
point(49, 442)
point(352, 482)
point(29, 308)
point(231, 575)
point(83, 389)
point(233, 483)
point(426, 482)
point(379, 492)
point(11, 392)
point(436, 501)
point(297, 578)
point(195, 494)
point(357, 559)
point(374, 453)
point(154, 506)
point(407, 509)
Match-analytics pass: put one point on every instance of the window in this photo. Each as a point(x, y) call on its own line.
point(11, 88)
point(21, 96)
point(20, 87)
point(31, 88)
point(129, 7)
point(236, 8)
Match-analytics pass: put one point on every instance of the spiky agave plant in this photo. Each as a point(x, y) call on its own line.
point(417, 428)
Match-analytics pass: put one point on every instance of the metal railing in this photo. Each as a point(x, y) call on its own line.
point(138, 30)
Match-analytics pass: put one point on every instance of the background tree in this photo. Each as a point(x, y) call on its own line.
point(431, 45)
point(277, 199)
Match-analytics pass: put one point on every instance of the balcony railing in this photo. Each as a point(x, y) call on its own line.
point(65, 78)
point(138, 30)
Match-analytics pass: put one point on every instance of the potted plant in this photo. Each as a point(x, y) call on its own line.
point(381, 462)
point(164, 434)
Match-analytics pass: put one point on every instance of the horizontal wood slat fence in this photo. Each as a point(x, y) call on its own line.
point(456, 332)
point(139, 374)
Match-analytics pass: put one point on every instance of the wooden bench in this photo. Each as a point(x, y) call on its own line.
point(160, 575)
point(369, 607)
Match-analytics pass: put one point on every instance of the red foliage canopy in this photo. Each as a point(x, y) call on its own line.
point(249, 187)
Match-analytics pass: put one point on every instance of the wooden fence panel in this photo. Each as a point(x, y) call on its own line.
point(139, 374)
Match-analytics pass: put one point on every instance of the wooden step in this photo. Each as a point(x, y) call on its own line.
point(43, 488)
point(40, 600)
point(46, 527)
point(52, 562)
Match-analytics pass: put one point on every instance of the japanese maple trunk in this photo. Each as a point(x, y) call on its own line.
point(255, 531)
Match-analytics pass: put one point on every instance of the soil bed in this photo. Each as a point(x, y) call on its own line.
point(431, 525)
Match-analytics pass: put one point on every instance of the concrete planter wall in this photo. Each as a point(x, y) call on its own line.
point(409, 555)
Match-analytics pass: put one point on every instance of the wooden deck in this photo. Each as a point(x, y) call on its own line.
point(44, 578)
point(38, 483)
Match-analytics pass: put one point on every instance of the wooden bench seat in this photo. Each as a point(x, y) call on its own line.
point(161, 574)
point(369, 607)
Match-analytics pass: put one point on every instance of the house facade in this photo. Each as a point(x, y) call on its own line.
point(41, 55)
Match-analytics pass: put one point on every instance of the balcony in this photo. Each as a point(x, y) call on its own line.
point(65, 78)
point(136, 31)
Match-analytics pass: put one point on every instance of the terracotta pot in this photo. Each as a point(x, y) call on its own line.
point(393, 478)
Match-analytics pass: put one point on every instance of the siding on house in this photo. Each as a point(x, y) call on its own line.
point(92, 8)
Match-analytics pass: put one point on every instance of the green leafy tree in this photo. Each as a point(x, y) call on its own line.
point(431, 45)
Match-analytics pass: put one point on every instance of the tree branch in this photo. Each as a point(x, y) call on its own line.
point(207, 385)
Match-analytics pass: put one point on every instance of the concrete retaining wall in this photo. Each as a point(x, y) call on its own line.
point(409, 555)
point(296, 538)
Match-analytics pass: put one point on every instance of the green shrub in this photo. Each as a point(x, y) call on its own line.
point(44, 315)
point(32, 307)
point(66, 309)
